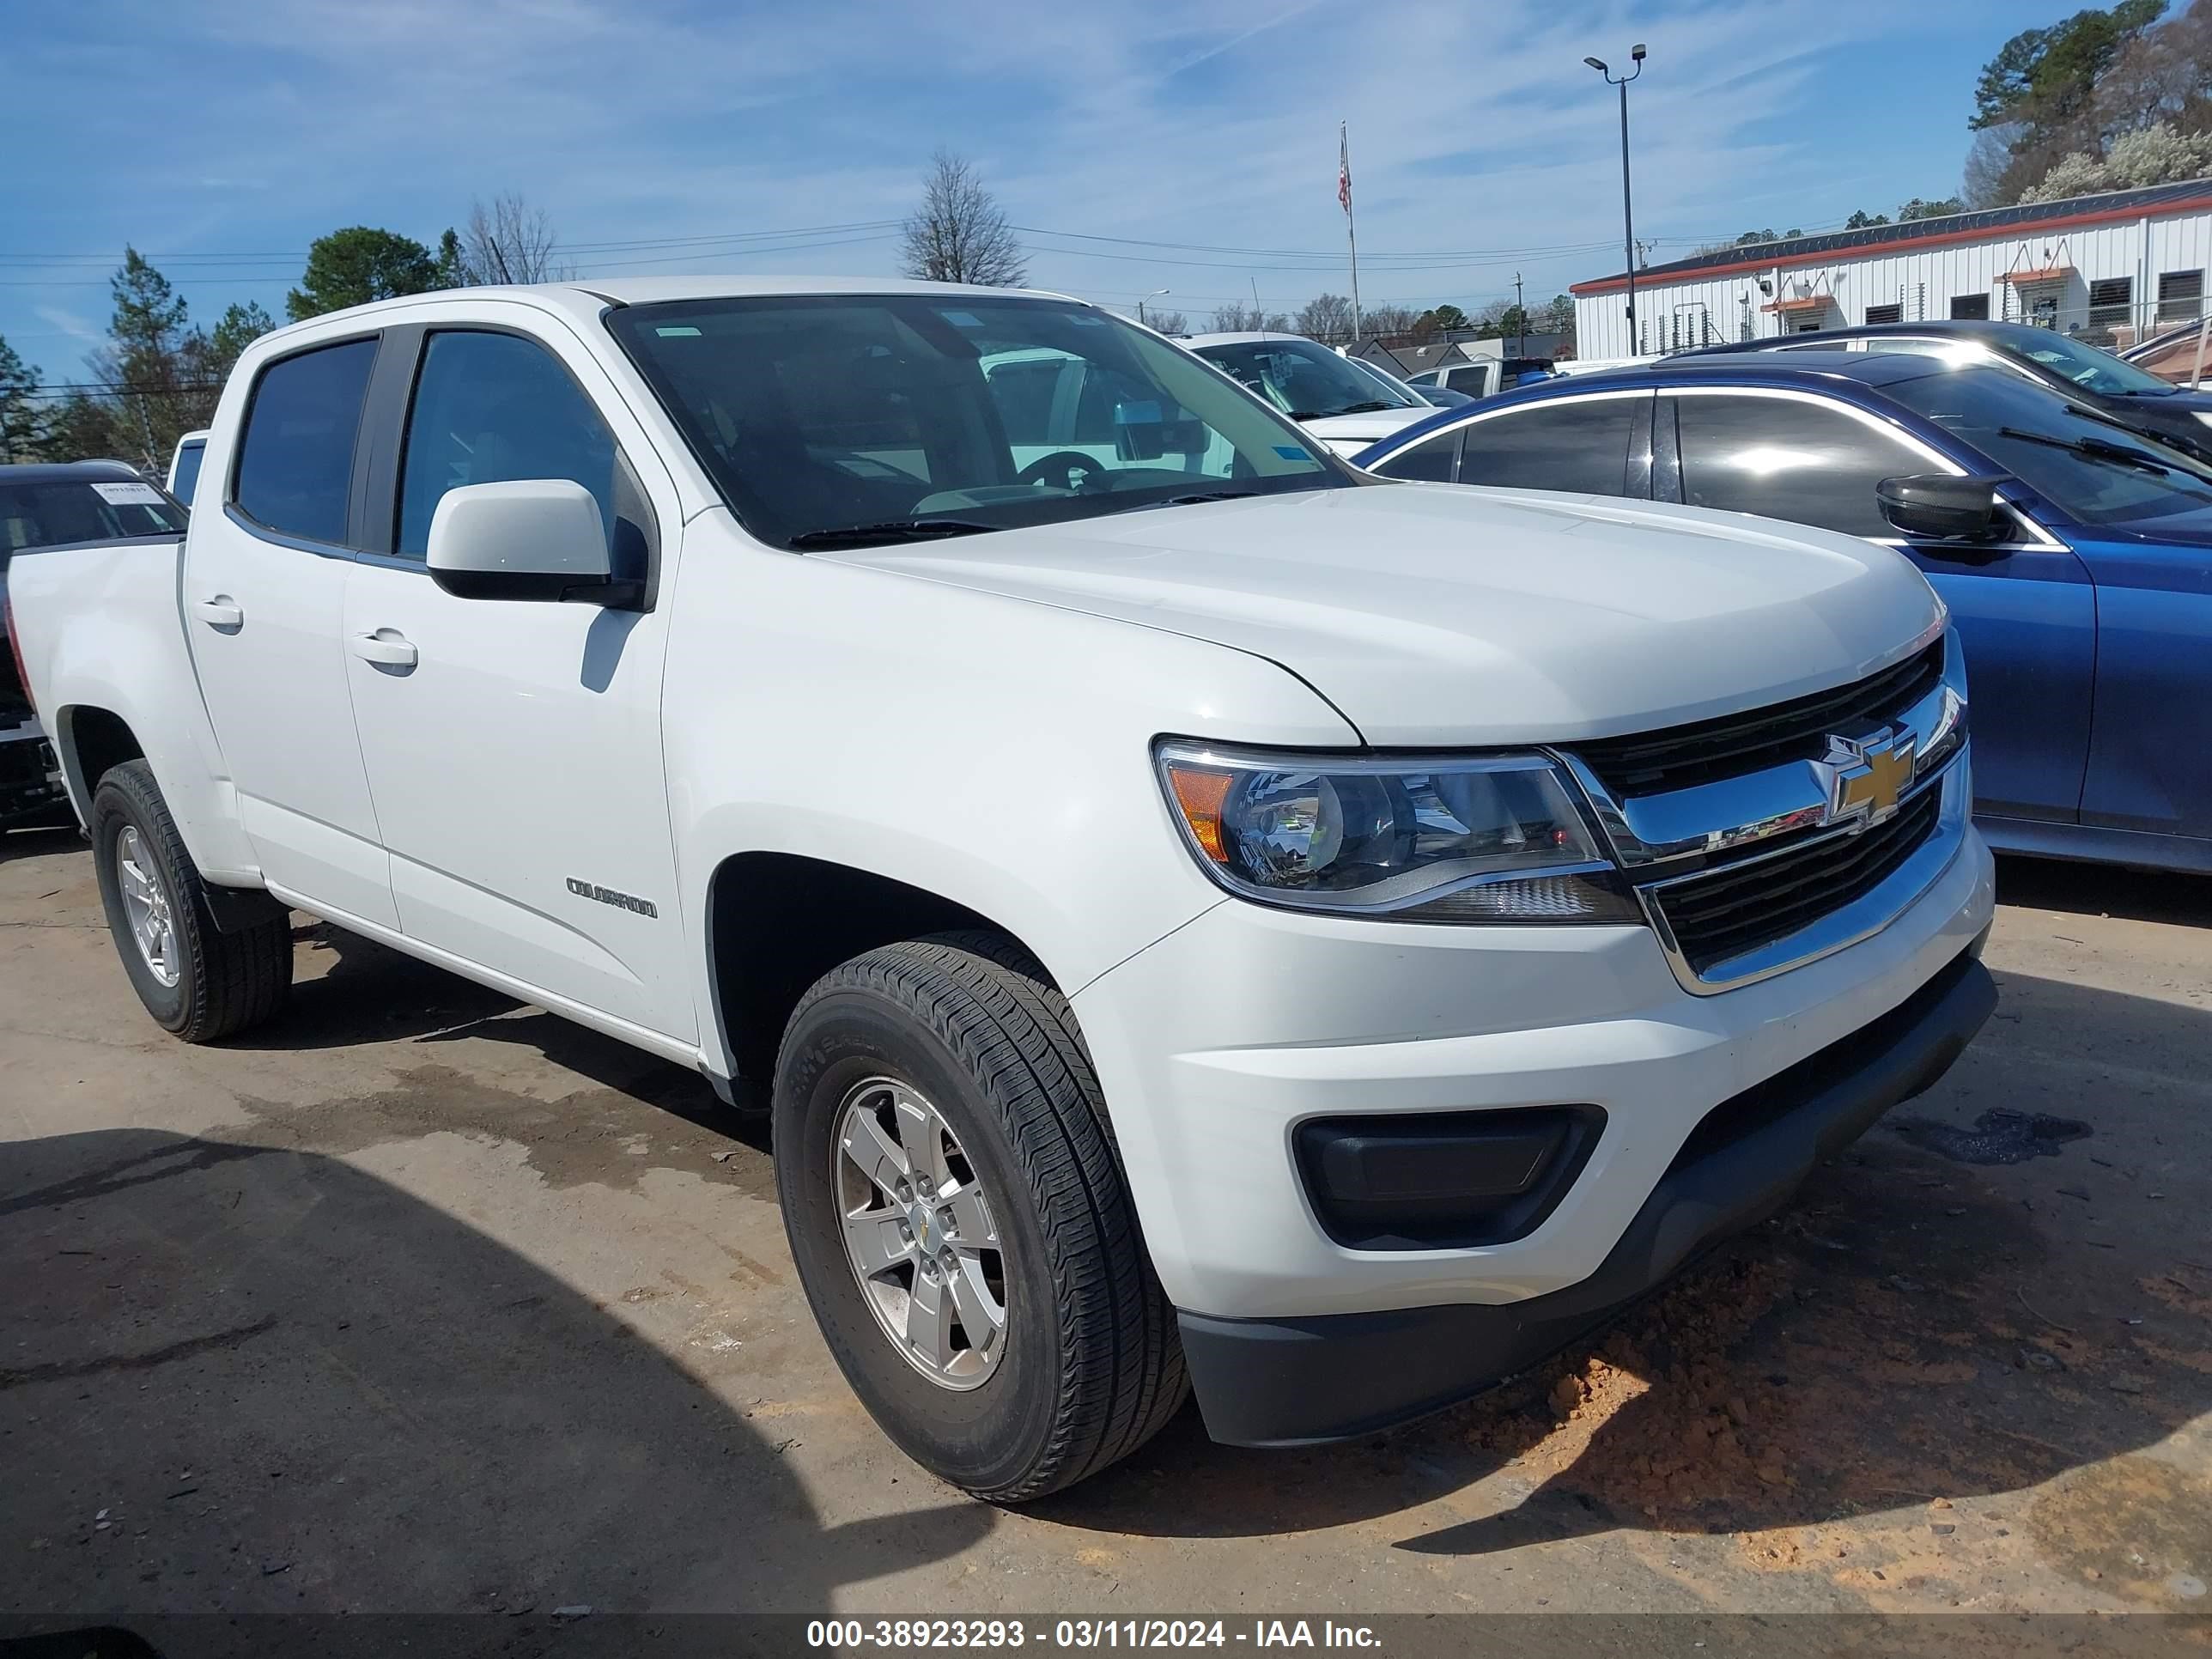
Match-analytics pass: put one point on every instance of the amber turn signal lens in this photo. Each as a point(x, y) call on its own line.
point(1199, 794)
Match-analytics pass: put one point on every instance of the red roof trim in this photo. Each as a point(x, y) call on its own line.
point(2027, 232)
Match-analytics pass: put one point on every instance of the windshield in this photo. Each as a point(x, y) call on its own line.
point(861, 419)
point(2085, 366)
point(2005, 416)
point(1306, 381)
point(54, 511)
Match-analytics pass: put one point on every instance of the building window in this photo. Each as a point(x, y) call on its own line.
point(1885, 313)
point(1970, 308)
point(2180, 296)
point(2111, 301)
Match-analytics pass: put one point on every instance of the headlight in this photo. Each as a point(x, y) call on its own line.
point(1493, 839)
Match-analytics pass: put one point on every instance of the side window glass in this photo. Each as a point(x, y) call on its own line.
point(1785, 458)
point(295, 460)
point(491, 407)
point(1470, 380)
point(1435, 461)
point(1579, 445)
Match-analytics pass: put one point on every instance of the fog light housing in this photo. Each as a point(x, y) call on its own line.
point(1432, 1180)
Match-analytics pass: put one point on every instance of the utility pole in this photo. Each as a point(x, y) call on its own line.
point(1520, 319)
point(1628, 213)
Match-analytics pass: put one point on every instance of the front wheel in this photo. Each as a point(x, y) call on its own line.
point(959, 1220)
point(198, 981)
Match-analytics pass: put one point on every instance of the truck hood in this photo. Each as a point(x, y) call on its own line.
point(1433, 614)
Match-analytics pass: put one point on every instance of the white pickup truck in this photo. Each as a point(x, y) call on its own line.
point(1203, 912)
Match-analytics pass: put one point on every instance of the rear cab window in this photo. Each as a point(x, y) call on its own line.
point(295, 458)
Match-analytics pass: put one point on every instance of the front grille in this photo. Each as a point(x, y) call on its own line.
point(1682, 756)
point(1738, 908)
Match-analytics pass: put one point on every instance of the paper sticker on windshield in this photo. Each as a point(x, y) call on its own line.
point(961, 318)
point(1292, 453)
point(677, 331)
point(128, 495)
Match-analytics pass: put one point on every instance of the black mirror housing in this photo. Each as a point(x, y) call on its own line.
point(1938, 507)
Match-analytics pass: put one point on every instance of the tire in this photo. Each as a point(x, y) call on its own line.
point(1088, 1367)
point(222, 982)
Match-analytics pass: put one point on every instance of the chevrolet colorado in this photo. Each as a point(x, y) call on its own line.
point(1208, 918)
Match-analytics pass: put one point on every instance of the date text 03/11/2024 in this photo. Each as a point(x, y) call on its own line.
point(857, 1634)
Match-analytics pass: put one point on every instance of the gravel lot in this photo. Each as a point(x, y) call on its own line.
point(421, 1300)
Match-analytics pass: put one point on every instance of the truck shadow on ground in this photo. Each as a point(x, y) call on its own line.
point(246, 1380)
point(38, 843)
point(1909, 1329)
point(2098, 889)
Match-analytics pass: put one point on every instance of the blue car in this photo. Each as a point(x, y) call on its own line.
point(2076, 554)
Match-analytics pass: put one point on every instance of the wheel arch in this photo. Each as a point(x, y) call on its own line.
point(777, 922)
point(92, 741)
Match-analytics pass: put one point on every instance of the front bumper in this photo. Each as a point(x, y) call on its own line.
point(1295, 1382)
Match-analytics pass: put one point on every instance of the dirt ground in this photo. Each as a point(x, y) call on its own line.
point(421, 1300)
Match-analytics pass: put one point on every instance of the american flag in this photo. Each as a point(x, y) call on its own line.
point(1344, 169)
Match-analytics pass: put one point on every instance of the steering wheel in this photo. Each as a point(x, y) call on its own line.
point(1065, 463)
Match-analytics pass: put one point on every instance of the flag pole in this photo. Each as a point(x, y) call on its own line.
point(1351, 232)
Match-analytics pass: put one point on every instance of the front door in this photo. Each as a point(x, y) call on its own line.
point(264, 593)
point(514, 747)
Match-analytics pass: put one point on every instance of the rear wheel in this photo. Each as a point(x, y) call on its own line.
point(197, 981)
point(959, 1220)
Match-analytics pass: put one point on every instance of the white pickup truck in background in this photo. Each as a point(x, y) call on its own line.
point(1203, 912)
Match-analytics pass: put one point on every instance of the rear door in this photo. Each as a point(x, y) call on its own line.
point(2025, 610)
point(514, 747)
point(266, 565)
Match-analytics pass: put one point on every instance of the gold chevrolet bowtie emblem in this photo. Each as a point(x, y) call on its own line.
point(1868, 775)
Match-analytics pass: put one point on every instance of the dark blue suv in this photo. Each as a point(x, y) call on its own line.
point(2075, 553)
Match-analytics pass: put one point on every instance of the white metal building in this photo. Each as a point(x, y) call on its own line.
point(2107, 267)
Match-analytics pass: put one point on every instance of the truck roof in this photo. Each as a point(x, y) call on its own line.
point(589, 297)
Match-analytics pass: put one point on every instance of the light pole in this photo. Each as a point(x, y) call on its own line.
point(1627, 217)
point(1156, 294)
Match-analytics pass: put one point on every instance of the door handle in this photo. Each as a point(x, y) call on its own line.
point(386, 647)
point(220, 612)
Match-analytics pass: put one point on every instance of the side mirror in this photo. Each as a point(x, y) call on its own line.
point(1936, 506)
point(527, 538)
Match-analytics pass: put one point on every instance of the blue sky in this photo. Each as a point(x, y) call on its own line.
point(220, 138)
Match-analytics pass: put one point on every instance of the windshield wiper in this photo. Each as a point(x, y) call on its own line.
point(1208, 495)
point(1366, 408)
point(891, 530)
point(2094, 449)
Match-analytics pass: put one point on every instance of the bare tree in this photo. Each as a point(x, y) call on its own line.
point(510, 242)
point(959, 234)
point(1249, 319)
point(1377, 321)
point(1327, 318)
point(1170, 322)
